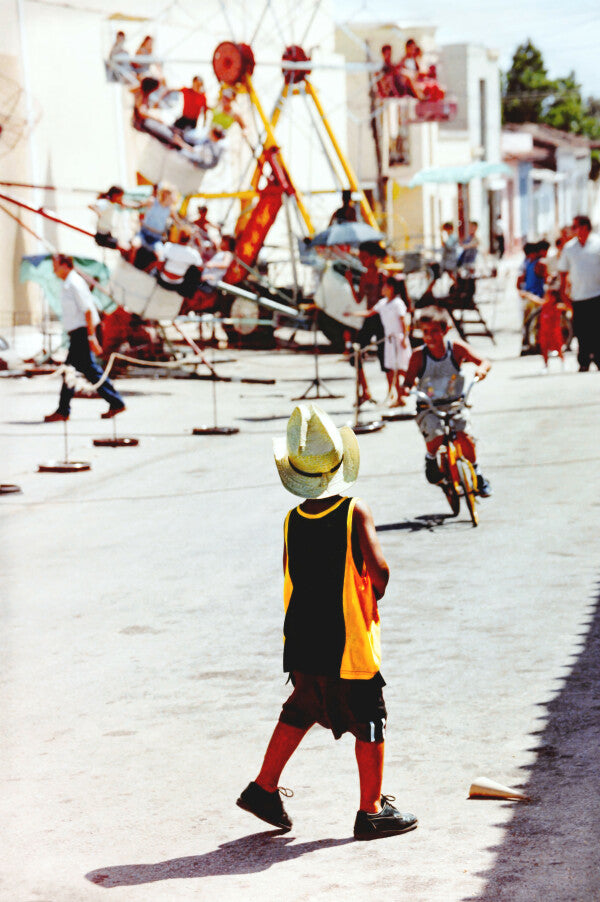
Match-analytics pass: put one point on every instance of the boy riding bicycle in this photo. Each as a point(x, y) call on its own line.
point(436, 367)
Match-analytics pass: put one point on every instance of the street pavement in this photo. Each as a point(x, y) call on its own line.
point(141, 633)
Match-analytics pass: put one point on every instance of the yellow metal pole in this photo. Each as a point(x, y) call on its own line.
point(364, 204)
point(270, 142)
point(274, 120)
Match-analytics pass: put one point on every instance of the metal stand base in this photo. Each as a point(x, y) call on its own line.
point(320, 391)
point(357, 427)
point(215, 430)
point(316, 385)
point(8, 489)
point(397, 416)
point(66, 465)
point(373, 426)
point(116, 442)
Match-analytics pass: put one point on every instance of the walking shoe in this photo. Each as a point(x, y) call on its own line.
point(387, 822)
point(266, 805)
point(483, 487)
point(56, 417)
point(433, 473)
point(111, 412)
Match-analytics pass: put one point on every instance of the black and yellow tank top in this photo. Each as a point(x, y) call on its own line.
point(331, 625)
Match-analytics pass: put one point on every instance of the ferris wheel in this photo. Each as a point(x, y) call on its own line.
point(279, 60)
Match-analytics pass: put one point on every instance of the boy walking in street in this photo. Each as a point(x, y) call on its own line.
point(334, 573)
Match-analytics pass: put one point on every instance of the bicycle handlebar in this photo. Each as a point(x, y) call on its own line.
point(442, 402)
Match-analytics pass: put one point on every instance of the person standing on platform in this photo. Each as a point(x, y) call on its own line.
point(80, 320)
point(345, 213)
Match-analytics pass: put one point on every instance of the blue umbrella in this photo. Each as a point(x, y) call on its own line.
point(350, 233)
point(38, 268)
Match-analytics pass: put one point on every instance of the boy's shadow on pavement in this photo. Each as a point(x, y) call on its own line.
point(247, 855)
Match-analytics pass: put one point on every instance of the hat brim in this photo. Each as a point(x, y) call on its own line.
point(318, 486)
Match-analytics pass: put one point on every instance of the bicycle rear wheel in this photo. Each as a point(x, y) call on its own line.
point(468, 481)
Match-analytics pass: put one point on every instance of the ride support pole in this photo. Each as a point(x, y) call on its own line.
point(271, 142)
point(364, 205)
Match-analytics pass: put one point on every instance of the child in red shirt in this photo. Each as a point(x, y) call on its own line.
point(194, 104)
point(550, 337)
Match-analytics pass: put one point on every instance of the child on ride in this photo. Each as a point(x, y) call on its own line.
point(436, 367)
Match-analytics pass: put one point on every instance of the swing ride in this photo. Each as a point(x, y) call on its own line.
point(250, 301)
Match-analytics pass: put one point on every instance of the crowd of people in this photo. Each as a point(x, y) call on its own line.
point(538, 284)
point(178, 117)
point(409, 77)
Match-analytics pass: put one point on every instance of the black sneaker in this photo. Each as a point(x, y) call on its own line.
point(483, 487)
point(387, 822)
point(433, 474)
point(266, 805)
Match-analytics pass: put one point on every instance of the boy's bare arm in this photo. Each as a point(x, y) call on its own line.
point(414, 368)
point(465, 353)
point(372, 554)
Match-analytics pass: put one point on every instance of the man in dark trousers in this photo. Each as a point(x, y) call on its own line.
point(580, 261)
point(80, 320)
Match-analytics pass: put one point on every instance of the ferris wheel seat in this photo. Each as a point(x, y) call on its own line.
point(138, 292)
point(159, 163)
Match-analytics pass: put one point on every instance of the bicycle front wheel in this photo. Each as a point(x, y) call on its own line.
point(451, 496)
point(468, 481)
point(447, 458)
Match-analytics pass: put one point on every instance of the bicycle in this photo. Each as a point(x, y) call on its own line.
point(529, 341)
point(459, 478)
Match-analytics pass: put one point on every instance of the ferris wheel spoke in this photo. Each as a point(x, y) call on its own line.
point(316, 7)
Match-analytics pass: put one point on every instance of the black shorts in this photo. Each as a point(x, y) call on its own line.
point(342, 706)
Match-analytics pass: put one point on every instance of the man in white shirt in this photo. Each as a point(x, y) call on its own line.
point(580, 261)
point(80, 319)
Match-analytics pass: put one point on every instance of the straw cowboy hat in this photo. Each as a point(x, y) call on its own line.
point(316, 459)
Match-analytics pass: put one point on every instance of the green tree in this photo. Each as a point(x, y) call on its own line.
point(566, 109)
point(526, 86)
point(529, 95)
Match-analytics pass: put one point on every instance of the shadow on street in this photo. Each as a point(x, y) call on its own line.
point(247, 855)
point(425, 521)
point(550, 848)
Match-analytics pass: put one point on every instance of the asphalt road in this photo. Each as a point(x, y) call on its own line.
point(141, 664)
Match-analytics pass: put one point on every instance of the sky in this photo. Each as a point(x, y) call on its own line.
point(567, 33)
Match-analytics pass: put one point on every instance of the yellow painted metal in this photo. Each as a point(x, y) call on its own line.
point(269, 125)
point(222, 195)
point(270, 142)
point(273, 122)
point(364, 203)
